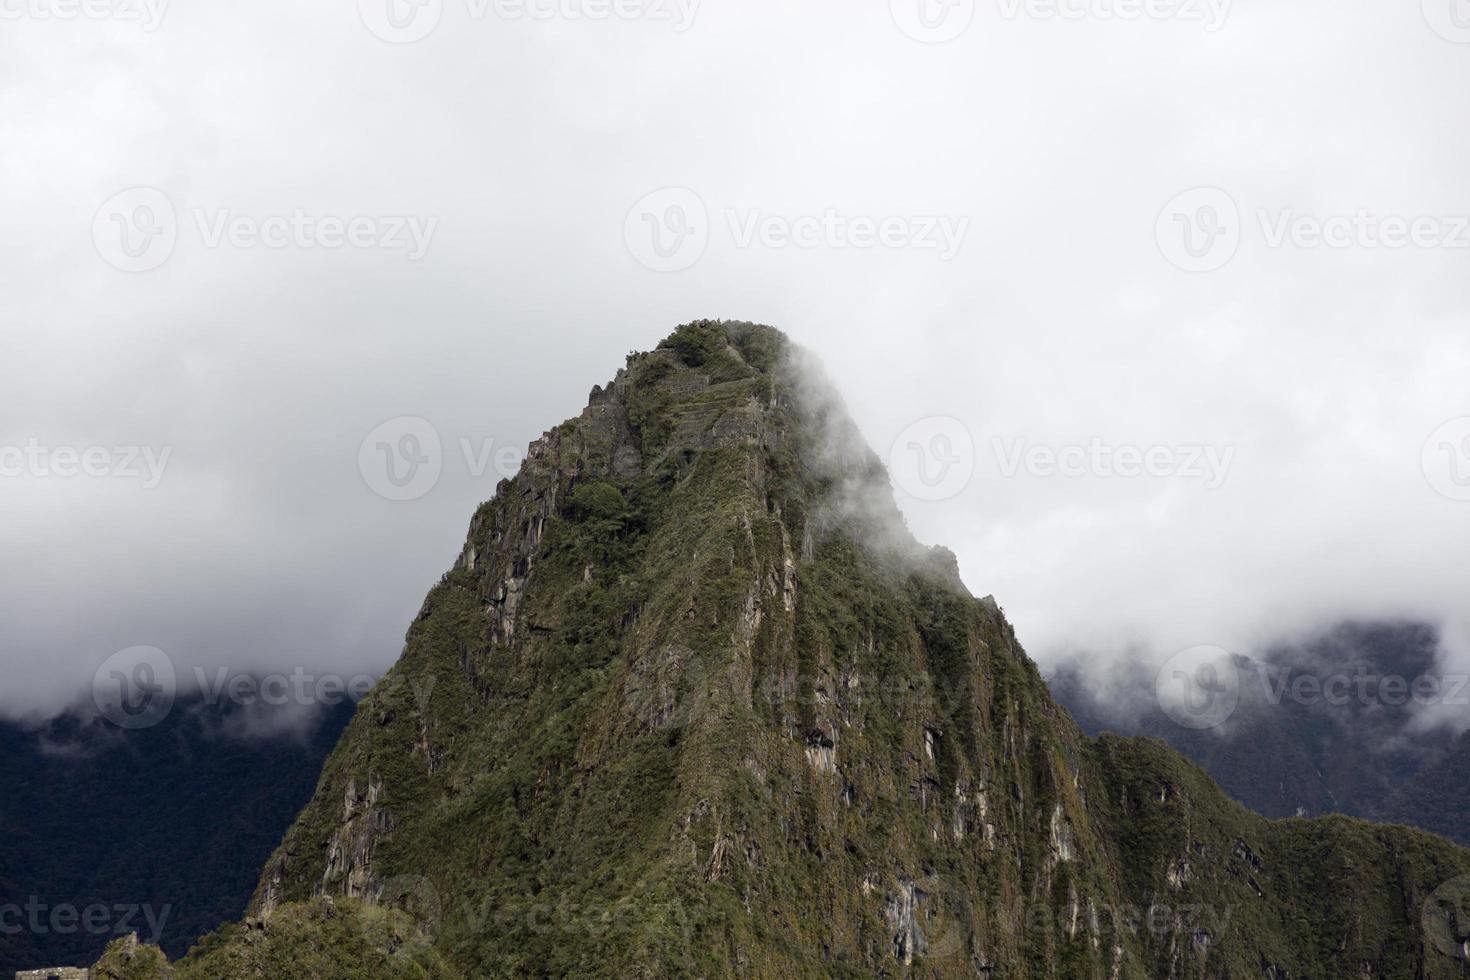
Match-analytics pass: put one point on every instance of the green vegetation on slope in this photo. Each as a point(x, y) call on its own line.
point(692, 703)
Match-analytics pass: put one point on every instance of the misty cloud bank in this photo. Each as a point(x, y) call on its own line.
point(1061, 320)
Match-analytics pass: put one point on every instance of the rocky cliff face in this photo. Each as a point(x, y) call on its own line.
point(691, 702)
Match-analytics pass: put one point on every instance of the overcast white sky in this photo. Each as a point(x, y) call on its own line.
point(1056, 313)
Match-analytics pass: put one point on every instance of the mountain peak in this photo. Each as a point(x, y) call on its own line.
point(693, 702)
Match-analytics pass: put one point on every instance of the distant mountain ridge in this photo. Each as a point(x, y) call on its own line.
point(1345, 744)
point(159, 831)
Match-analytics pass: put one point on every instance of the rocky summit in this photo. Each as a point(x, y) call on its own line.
point(693, 703)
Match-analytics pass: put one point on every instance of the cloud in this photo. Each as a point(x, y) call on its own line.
point(1058, 321)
